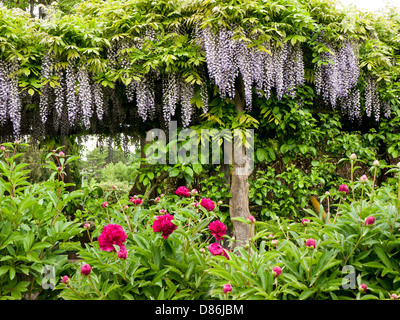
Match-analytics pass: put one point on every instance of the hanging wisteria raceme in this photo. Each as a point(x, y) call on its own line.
point(46, 73)
point(336, 79)
point(98, 97)
point(59, 92)
point(71, 89)
point(372, 99)
point(4, 91)
point(187, 92)
point(204, 97)
point(85, 96)
point(171, 93)
point(14, 103)
point(351, 104)
point(145, 97)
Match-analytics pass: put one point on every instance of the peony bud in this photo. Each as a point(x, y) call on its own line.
point(158, 199)
point(376, 163)
point(162, 211)
point(276, 271)
point(363, 178)
point(86, 269)
point(193, 192)
point(310, 243)
point(362, 288)
point(370, 221)
point(61, 154)
point(305, 222)
point(227, 288)
point(353, 156)
point(104, 204)
point(274, 242)
point(251, 218)
point(86, 226)
point(65, 279)
point(394, 296)
point(344, 188)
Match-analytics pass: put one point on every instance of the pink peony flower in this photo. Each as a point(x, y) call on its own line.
point(344, 188)
point(310, 243)
point(104, 204)
point(276, 271)
point(112, 234)
point(182, 191)
point(216, 249)
point(251, 218)
point(207, 204)
point(227, 288)
point(162, 195)
point(123, 253)
point(163, 224)
point(86, 269)
point(370, 221)
point(136, 200)
point(2, 148)
point(65, 279)
point(305, 222)
point(217, 229)
point(362, 288)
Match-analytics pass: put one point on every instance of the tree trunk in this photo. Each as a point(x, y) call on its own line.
point(139, 189)
point(239, 202)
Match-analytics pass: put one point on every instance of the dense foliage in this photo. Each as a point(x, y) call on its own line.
point(176, 247)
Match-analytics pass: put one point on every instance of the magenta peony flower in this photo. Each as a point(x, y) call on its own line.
point(305, 222)
point(227, 288)
point(362, 288)
point(86, 269)
point(163, 224)
point(251, 218)
point(310, 243)
point(217, 229)
point(135, 200)
point(182, 191)
point(216, 249)
point(65, 279)
point(276, 271)
point(207, 204)
point(370, 221)
point(112, 234)
point(344, 188)
point(123, 253)
point(104, 204)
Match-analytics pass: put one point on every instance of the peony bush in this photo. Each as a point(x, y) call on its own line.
point(178, 246)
